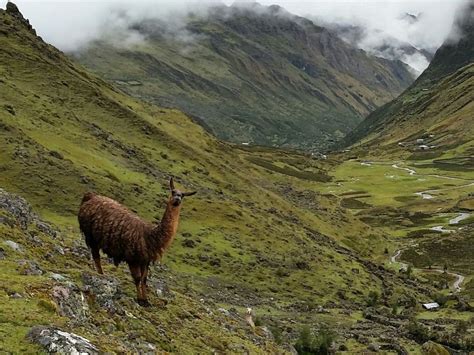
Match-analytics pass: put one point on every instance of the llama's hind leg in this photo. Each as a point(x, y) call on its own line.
point(96, 256)
point(144, 276)
point(136, 272)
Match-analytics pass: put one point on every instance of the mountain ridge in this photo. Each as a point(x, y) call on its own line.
point(438, 103)
point(254, 75)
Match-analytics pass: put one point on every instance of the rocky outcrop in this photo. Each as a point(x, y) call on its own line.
point(57, 341)
point(23, 213)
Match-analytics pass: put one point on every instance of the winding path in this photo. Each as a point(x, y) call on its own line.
point(427, 194)
point(456, 287)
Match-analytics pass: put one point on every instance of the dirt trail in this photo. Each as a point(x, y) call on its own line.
point(427, 194)
point(456, 286)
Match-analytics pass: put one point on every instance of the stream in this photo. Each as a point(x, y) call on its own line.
point(456, 286)
point(428, 195)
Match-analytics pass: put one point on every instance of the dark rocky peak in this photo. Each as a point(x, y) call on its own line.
point(458, 49)
point(13, 11)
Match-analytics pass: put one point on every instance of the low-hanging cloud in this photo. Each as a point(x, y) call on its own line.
point(71, 24)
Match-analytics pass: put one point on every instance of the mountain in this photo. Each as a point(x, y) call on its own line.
point(258, 234)
point(383, 45)
point(252, 73)
point(437, 108)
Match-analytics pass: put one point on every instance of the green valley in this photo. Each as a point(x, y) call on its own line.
point(336, 251)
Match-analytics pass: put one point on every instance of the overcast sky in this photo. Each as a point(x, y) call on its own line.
point(70, 24)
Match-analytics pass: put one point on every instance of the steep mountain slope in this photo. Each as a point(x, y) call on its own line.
point(384, 45)
point(253, 73)
point(258, 233)
point(438, 108)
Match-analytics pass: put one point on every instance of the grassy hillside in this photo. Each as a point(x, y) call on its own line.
point(438, 108)
point(269, 229)
point(253, 74)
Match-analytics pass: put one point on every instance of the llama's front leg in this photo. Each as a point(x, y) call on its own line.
point(96, 256)
point(144, 272)
point(136, 272)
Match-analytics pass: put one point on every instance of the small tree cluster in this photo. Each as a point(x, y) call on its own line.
point(314, 344)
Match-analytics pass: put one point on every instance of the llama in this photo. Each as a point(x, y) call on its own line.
point(124, 236)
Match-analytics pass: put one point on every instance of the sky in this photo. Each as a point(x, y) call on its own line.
point(71, 24)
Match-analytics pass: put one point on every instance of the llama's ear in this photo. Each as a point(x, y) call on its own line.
point(189, 193)
point(171, 184)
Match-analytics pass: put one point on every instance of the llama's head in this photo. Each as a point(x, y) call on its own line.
point(177, 196)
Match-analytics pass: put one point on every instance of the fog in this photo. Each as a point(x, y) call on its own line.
point(71, 25)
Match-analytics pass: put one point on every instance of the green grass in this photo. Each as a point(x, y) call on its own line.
point(274, 219)
point(120, 147)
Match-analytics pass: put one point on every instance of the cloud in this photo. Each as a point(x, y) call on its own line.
point(71, 24)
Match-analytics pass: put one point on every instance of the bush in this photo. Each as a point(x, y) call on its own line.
point(314, 344)
point(418, 331)
point(441, 299)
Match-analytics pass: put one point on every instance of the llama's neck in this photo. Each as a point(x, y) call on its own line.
point(168, 226)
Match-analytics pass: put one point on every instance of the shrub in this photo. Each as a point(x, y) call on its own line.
point(418, 331)
point(314, 344)
point(277, 334)
point(440, 299)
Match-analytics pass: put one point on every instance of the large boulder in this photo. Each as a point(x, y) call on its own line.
point(104, 290)
point(54, 340)
point(71, 302)
point(23, 213)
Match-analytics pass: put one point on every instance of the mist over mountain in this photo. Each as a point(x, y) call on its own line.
point(439, 104)
point(251, 73)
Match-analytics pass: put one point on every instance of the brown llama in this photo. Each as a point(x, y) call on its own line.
point(124, 236)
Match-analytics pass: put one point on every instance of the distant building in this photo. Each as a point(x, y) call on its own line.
point(245, 143)
point(430, 306)
point(423, 147)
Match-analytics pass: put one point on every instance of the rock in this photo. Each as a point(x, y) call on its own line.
point(56, 341)
point(18, 207)
point(57, 277)
point(28, 267)
point(23, 213)
point(266, 333)
point(14, 246)
point(215, 262)
point(162, 289)
point(103, 289)
point(224, 311)
point(34, 239)
point(2, 254)
point(46, 229)
point(10, 109)
point(343, 347)
point(71, 303)
point(188, 243)
point(432, 348)
point(373, 347)
point(56, 154)
point(16, 295)
point(59, 249)
point(203, 257)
